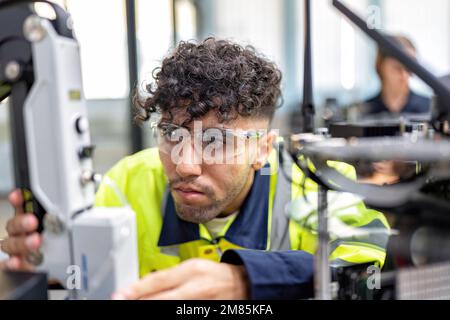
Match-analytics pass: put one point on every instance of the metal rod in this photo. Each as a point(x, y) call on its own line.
point(308, 100)
point(322, 274)
point(174, 23)
point(136, 136)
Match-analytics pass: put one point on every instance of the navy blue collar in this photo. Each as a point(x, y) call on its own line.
point(248, 230)
point(414, 104)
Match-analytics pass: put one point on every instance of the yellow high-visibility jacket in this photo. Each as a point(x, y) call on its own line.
point(266, 221)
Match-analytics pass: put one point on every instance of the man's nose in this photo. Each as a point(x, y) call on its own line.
point(406, 74)
point(190, 163)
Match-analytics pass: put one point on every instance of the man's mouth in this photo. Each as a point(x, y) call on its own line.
point(189, 193)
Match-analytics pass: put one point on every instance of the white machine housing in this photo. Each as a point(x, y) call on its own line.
point(99, 242)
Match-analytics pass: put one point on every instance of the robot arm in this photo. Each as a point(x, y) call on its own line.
point(91, 250)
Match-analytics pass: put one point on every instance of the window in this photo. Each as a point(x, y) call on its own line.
point(342, 60)
point(428, 26)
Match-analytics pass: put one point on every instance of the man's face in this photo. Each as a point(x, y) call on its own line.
point(202, 191)
point(394, 73)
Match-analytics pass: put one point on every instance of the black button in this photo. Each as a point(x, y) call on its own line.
point(86, 152)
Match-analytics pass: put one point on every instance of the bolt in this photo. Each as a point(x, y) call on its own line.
point(12, 70)
point(35, 258)
point(53, 224)
point(86, 177)
point(33, 29)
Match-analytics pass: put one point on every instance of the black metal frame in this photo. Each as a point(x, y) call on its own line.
point(307, 107)
point(137, 139)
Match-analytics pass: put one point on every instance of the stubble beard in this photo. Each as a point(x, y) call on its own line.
point(204, 214)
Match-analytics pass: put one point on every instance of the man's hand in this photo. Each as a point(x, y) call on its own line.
point(22, 236)
point(192, 279)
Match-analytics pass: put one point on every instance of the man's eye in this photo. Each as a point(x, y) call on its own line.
point(213, 140)
point(171, 136)
point(174, 137)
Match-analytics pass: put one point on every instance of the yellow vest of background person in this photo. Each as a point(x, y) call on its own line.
point(263, 222)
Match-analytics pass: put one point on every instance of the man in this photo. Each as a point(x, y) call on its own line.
point(212, 190)
point(394, 99)
point(395, 96)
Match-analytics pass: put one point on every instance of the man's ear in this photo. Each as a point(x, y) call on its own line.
point(265, 147)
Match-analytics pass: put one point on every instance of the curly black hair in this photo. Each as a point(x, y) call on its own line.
point(212, 75)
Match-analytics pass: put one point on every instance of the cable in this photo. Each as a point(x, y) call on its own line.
point(113, 185)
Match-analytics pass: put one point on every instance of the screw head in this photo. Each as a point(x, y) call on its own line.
point(35, 258)
point(12, 70)
point(53, 224)
point(33, 29)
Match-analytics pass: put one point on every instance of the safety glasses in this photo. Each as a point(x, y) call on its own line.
point(212, 145)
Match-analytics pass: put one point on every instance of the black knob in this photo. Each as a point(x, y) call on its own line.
point(86, 152)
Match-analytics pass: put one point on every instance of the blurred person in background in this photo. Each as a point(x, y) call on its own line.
point(395, 96)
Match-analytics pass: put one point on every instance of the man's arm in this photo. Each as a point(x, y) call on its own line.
point(192, 279)
point(277, 274)
point(243, 274)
